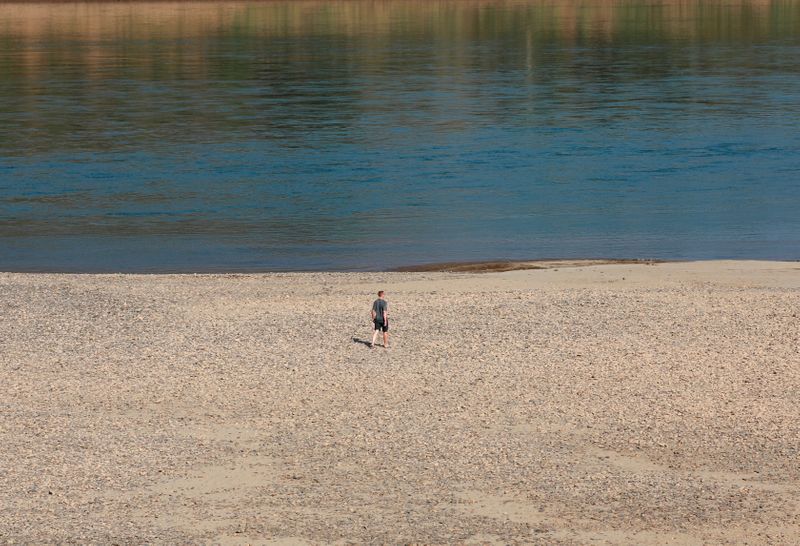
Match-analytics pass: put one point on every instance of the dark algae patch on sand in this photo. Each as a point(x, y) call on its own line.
point(501, 266)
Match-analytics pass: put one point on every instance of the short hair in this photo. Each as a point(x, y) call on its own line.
point(380, 293)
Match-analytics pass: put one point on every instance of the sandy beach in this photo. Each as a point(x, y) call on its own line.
point(576, 404)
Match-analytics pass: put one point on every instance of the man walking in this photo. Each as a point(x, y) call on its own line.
point(380, 319)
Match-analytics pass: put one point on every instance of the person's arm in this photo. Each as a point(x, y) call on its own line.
point(372, 313)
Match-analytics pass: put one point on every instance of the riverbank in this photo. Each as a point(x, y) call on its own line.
point(617, 403)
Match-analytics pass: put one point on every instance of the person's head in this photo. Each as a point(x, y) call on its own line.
point(380, 293)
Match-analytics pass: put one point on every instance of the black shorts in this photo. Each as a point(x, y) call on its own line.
point(381, 325)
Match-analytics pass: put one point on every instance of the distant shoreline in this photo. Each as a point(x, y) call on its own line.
point(467, 266)
point(480, 266)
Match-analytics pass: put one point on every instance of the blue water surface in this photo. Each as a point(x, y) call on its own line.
point(246, 137)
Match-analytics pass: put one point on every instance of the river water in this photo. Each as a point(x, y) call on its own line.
point(347, 135)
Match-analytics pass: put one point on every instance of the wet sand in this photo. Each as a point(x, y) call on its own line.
point(580, 404)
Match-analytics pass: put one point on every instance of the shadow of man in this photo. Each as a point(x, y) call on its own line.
point(362, 341)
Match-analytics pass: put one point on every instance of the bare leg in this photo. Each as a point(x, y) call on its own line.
point(374, 337)
point(385, 339)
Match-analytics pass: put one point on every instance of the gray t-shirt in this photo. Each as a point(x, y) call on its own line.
point(380, 306)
